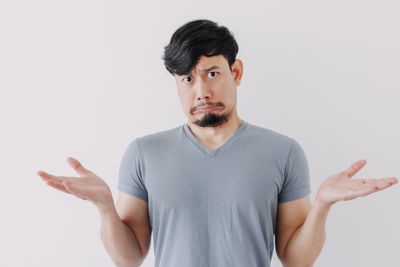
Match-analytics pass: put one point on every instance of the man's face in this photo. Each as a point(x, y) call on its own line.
point(211, 83)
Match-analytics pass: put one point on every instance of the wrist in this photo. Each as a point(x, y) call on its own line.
point(106, 209)
point(318, 203)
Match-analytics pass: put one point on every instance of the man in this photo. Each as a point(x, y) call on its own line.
point(216, 190)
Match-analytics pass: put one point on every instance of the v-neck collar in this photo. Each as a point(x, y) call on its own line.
point(207, 151)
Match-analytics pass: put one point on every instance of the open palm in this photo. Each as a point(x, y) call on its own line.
point(341, 186)
point(88, 186)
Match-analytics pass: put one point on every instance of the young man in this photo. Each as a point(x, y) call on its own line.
point(216, 190)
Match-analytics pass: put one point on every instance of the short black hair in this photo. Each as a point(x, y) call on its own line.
point(197, 38)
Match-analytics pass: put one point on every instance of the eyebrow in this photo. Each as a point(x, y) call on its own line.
point(210, 68)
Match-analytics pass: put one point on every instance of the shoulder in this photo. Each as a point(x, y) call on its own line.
point(270, 138)
point(159, 140)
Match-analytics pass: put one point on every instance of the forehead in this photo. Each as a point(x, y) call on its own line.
point(205, 63)
point(204, 60)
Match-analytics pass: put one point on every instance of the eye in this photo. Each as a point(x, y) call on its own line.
point(185, 79)
point(212, 76)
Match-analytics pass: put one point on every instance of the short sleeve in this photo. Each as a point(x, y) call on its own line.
point(296, 182)
point(130, 177)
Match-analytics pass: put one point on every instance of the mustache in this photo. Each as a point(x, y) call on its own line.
point(207, 104)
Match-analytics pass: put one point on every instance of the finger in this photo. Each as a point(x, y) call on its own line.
point(53, 178)
point(48, 177)
point(379, 186)
point(355, 167)
point(77, 166)
point(394, 180)
point(62, 183)
point(365, 187)
point(374, 185)
point(62, 187)
point(361, 191)
point(58, 186)
point(387, 180)
point(73, 186)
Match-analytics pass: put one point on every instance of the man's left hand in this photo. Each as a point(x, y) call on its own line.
point(341, 186)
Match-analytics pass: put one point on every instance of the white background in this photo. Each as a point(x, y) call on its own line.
point(84, 78)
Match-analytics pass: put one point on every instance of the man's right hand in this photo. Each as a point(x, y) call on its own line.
point(88, 186)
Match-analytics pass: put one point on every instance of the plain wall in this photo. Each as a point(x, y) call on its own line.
point(84, 78)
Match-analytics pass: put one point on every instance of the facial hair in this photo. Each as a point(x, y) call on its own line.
point(211, 119)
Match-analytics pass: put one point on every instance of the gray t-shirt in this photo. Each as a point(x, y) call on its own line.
point(214, 208)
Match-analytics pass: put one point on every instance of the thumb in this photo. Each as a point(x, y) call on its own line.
point(355, 167)
point(77, 166)
point(73, 187)
point(69, 186)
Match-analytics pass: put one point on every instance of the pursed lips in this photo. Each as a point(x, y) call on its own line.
point(207, 108)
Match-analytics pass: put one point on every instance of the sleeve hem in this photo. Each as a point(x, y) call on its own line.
point(133, 191)
point(294, 194)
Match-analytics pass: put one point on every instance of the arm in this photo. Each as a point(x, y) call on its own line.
point(305, 244)
point(125, 230)
point(119, 240)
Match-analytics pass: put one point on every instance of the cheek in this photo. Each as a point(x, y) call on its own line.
point(186, 100)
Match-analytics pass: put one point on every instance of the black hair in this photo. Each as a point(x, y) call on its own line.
point(197, 38)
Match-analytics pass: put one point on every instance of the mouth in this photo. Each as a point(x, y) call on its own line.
point(206, 109)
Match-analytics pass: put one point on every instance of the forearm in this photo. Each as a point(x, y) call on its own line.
point(306, 243)
point(118, 239)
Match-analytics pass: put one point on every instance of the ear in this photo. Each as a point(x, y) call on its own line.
point(237, 71)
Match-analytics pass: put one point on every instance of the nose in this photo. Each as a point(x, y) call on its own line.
point(202, 89)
